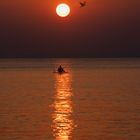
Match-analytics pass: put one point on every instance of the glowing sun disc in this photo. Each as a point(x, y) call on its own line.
point(63, 10)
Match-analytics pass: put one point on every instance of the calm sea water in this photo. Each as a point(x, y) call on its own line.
point(98, 99)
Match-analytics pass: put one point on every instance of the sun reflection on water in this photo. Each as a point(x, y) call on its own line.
point(62, 115)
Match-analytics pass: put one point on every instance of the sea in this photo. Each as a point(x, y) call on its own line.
point(97, 99)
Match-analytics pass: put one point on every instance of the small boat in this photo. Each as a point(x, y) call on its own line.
point(60, 70)
point(63, 72)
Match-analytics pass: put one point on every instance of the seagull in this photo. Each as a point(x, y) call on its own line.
point(82, 4)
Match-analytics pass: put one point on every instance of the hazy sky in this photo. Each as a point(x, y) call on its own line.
point(103, 28)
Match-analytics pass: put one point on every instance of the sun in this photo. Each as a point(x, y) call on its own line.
point(62, 10)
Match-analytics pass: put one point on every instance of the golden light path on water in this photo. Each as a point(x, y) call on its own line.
point(62, 116)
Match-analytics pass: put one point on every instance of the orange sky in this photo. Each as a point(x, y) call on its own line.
point(46, 9)
point(98, 18)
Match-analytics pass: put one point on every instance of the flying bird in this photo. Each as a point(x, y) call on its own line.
point(82, 4)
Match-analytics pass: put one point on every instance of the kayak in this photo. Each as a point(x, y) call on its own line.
point(60, 72)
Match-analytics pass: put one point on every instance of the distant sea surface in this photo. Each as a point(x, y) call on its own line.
point(98, 99)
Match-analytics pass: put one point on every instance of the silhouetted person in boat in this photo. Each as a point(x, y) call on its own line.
point(60, 69)
point(82, 4)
